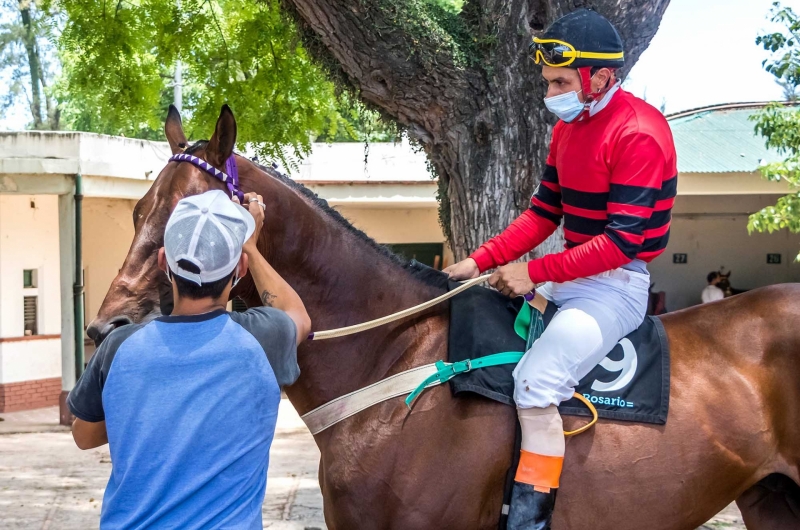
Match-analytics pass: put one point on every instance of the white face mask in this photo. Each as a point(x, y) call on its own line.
point(566, 106)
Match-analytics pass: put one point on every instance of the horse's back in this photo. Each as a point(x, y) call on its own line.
point(746, 348)
point(757, 325)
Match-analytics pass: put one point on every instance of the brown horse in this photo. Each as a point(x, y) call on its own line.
point(733, 430)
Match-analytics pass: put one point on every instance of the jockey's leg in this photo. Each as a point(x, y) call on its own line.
point(544, 378)
point(593, 316)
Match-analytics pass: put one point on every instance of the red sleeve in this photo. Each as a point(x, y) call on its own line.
point(523, 235)
point(531, 228)
point(638, 167)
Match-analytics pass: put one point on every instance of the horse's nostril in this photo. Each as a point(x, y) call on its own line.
point(93, 331)
point(98, 333)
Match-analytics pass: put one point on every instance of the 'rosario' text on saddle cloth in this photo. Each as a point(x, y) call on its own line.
point(631, 383)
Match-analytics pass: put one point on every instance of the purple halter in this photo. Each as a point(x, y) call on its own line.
point(231, 178)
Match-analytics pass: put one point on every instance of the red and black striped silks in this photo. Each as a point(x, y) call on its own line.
point(613, 179)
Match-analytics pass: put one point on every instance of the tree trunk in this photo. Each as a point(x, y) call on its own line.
point(29, 39)
point(52, 111)
point(463, 85)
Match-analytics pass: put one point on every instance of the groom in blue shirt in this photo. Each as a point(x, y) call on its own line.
point(188, 403)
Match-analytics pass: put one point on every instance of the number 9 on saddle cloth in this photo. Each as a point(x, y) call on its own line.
point(631, 383)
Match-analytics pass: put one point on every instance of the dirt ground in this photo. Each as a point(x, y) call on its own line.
point(47, 483)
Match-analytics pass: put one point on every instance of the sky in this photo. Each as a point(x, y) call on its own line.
point(704, 53)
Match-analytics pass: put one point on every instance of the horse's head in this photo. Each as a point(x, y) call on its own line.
point(141, 292)
point(725, 282)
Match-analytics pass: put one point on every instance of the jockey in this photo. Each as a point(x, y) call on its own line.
point(611, 174)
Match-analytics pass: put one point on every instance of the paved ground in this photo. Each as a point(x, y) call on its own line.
point(47, 483)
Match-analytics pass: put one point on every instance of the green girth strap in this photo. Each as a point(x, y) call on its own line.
point(529, 325)
point(447, 371)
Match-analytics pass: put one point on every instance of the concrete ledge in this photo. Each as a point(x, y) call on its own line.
point(30, 421)
point(29, 338)
point(728, 184)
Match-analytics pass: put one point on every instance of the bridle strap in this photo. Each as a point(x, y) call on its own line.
point(233, 175)
point(231, 178)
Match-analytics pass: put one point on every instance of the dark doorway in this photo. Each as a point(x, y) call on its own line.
point(430, 254)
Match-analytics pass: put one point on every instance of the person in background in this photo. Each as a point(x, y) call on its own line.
point(711, 292)
point(188, 402)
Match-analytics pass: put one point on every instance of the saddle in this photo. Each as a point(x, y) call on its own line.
point(631, 383)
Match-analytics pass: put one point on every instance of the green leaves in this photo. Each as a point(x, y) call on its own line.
point(784, 215)
point(785, 61)
point(111, 75)
point(118, 71)
point(780, 125)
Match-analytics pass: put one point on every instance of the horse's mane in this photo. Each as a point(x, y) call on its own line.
point(423, 273)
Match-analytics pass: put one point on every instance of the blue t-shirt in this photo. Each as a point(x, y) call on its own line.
point(190, 405)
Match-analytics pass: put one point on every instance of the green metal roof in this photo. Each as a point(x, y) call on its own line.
point(719, 139)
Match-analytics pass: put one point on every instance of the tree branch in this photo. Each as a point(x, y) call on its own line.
point(397, 55)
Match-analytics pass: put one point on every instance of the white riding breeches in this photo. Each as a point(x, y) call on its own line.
point(594, 313)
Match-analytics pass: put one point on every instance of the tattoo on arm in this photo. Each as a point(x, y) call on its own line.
point(267, 298)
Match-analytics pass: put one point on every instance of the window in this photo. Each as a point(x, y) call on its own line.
point(429, 254)
point(30, 312)
point(29, 279)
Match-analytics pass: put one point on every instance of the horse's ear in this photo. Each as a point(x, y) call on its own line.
point(174, 131)
point(220, 146)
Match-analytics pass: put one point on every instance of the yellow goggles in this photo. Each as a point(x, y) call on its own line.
point(557, 53)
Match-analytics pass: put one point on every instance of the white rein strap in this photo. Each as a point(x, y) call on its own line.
point(400, 384)
point(341, 332)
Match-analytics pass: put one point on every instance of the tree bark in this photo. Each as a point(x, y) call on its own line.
point(34, 67)
point(464, 87)
point(51, 106)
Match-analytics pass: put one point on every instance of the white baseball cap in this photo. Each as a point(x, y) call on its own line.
point(207, 230)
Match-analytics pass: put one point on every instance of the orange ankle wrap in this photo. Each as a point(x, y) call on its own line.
point(540, 471)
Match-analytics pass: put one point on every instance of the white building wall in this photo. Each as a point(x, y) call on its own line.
point(385, 225)
point(107, 236)
point(29, 240)
point(30, 360)
point(712, 231)
point(399, 225)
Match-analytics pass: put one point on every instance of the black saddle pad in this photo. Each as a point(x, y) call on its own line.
point(631, 383)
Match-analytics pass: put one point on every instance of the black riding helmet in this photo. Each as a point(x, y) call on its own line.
point(583, 38)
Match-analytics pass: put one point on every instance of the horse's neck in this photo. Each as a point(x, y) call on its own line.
point(343, 279)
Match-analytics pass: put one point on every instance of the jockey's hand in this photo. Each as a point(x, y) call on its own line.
point(512, 280)
point(463, 270)
point(254, 204)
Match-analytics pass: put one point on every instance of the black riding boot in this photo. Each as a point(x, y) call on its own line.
point(530, 509)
